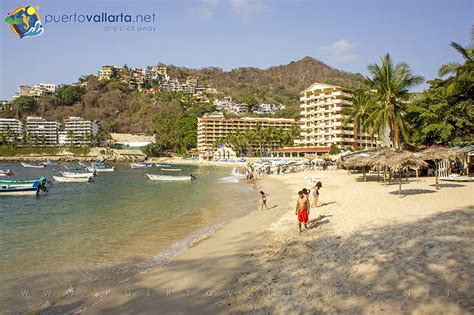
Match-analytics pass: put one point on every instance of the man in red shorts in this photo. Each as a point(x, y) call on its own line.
point(302, 210)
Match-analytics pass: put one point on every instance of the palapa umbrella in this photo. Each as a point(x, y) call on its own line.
point(358, 160)
point(437, 154)
point(401, 160)
point(379, 159)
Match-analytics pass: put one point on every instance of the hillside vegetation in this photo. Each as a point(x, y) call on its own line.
point(121, 109)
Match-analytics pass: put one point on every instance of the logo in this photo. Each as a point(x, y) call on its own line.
point(25, 21)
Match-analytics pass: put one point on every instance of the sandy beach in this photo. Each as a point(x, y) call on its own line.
point(367, 251)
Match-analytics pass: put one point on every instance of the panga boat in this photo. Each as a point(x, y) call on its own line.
point(21, 188)
point(49, 163)
point(101, 168)
point(72, 179)
point(458, 178)
point(170, 178)
point(140, 165)
point(6, 173)
point(7, 190)
point(32, 165)
point(77, 175)
point(171, 169)
point(163, 165)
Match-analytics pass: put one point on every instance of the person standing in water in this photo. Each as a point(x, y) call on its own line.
point(264, 200)
point(315, 191)
point(302, 210)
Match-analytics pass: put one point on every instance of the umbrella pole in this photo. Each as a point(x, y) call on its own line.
point(389, 177)
point(378, 174)
point(436, 174)
point(363, 174)
point(384, 175)
point(406, 174)
point(400, 183)
point(416, 171)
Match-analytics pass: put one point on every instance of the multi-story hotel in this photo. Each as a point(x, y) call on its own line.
point(13, 125)
point(322, 119)
point(213, 127)
point(42, 132)
point(79, 131)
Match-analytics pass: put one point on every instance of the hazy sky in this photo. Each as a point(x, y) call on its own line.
point(346, 34)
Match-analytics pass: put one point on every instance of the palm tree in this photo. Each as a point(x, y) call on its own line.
point(390, 85)
point(463, 73)
point(358, 112)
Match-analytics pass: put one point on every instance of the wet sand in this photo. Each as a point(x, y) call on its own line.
point(366, 251)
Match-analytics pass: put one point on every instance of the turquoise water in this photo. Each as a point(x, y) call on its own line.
point(91, 236)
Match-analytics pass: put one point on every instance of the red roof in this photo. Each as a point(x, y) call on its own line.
point(304, 149)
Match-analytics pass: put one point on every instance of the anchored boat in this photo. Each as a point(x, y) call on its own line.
point(21, 188)
point(170, 178)
point(77, 175)
point(32, 165)
point(72, 179)
point(140, 165)
point(6, 173)
point(171, 169)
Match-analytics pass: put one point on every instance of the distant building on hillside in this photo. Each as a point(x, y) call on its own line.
point(214, 127)
point(42, 132)
point(80, 132)
point(13, 125)
point(5, 105)
point(107, 72)
point(322, 118)
point(36, 91)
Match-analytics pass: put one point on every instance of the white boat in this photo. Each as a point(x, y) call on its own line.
point(32, 165)
point(72, 179)
point(140, 165)
point(457, 178)
point(169, 178)
point(101, 169)
point(171, 169)
point(163, 165)
point(7, 190)
point(49, 163)
point(77, 175)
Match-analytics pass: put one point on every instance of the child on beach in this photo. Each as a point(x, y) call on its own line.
point(302, 210)
point(264, 200)
point(315, 190)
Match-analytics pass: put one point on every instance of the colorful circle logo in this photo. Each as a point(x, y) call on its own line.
point(25, 21)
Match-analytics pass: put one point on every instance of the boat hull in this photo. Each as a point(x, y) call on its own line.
point(18, 191)
point(32, 165)
point(77, 175)
point(168, 178)
point(71, 179)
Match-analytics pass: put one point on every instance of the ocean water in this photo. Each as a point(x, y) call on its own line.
point(93, 236)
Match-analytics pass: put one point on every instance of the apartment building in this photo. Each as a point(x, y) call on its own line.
point(79, 131)
point(36, 91)
point(213, 127)
point(322, 118)
point(42, 132)
point(107, 72)
point(13, 125)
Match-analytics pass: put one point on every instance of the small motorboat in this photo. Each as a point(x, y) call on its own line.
point(163, 165)
point(6, 173)
point(32, 165)
point(50, 163)
point(101, 169)
point(140, 165)
point(170, 178)
point(7, 190)
point(77, 175)
point(22, 188)
point(72, 179)
point(171, 169)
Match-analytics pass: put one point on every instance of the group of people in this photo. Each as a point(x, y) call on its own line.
point(303, 204)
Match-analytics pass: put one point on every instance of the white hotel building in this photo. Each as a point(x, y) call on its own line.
point(42, 132)
point(80, 130)
point(13, 125)
point(322, 119)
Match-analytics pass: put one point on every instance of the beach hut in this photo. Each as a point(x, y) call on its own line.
point(441, 157)
point(402, 160)
point(358, 160)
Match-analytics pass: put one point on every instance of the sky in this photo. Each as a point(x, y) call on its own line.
point(345, 34)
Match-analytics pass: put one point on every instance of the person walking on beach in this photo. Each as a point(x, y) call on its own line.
point(315, 190)
point(264, 200)
point(302, 210)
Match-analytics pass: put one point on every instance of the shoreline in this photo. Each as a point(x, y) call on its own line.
point(229, 241)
